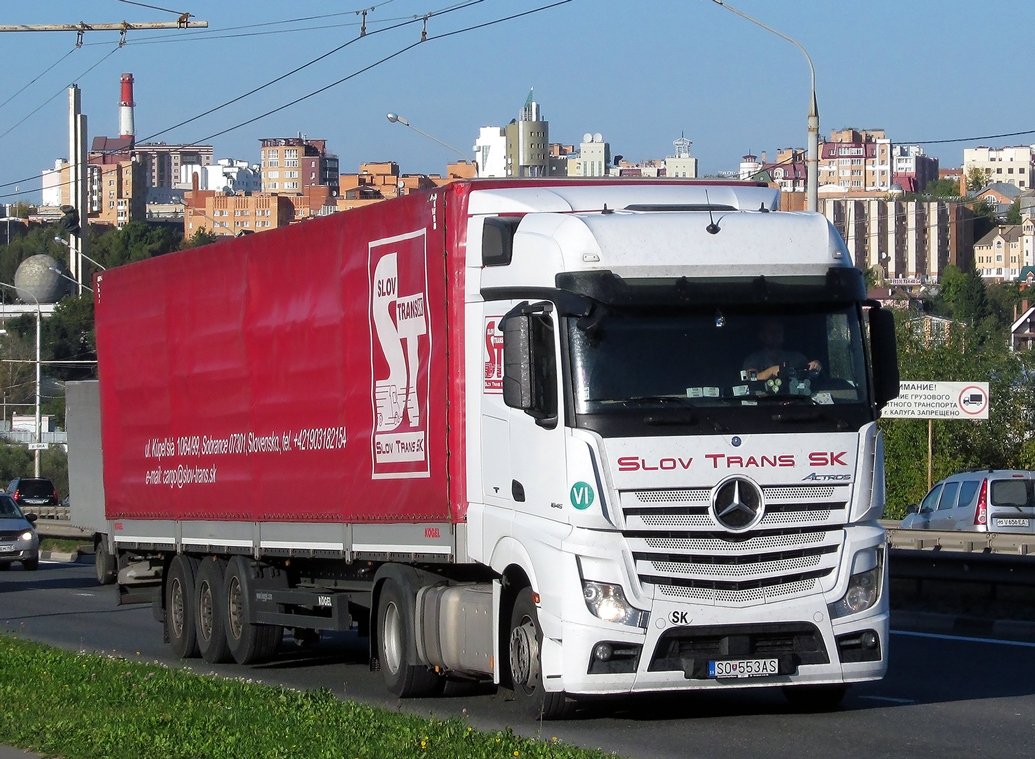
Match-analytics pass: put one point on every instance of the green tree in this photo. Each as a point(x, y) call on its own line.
point(1013, 216)
point(136, 241)
point(943, 188)
point(199, 238)
point(15, 461)
point(976, 179)
point(987, 209)
point(964, 354)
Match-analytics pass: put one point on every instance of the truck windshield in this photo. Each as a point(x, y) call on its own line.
point(733, 366)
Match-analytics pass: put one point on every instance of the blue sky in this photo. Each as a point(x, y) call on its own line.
point(639, 72)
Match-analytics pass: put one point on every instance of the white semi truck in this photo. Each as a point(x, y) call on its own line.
point(578, 437)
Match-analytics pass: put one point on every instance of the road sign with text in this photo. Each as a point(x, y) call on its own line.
point(939, 400)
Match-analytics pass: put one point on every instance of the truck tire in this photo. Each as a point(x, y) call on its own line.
point(526, 673)
point(250, 643)
point(104, 563)
point(179, 606)
point(208, 614)
point(814, 698)
point(394, 644)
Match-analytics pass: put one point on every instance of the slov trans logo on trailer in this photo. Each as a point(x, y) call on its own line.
point(400, 356)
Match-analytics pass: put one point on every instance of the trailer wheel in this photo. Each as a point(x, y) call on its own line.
point(395, 641)
point(814, 698)
point(526, 672)
point(208, 616)
point(103, 563)
point(179, 606)
point(250, 643)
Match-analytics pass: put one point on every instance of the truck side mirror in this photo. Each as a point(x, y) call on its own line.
point(517, 362)
point(530, 366)
point(885, 356)
point(498, 240)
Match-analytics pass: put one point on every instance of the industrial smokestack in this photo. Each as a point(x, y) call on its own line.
point(126, 107)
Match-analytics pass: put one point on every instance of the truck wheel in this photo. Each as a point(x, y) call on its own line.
point(179, 606)
point(526, 673)
point(103, 563)
point(208, 611)
point(395, 641)
point(249, 643)
point(814, 698)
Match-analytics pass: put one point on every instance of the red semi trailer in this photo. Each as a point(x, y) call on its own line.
point(504, 428)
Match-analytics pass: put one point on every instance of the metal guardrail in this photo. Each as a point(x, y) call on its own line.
point(998, 543)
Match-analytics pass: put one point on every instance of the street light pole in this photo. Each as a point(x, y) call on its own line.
point(397, 119)
point(812, 156)
point(21, 294)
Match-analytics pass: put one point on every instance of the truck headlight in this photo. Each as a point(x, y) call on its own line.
point(863, 587)
point(607, 602)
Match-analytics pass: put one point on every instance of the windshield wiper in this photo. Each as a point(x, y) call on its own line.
point(802, 416)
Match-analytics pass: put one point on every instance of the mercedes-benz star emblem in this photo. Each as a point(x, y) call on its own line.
point(737, 504)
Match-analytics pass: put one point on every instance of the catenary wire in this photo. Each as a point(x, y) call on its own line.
point(29, 84)
point(389, 57)
point(294, 71)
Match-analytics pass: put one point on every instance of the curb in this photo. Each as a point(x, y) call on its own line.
point(974, 627)
point(60, 556)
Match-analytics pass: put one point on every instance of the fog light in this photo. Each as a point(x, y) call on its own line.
point(603, 652)
point(868, 639)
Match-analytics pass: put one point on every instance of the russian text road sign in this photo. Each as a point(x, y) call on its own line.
point(939, 400)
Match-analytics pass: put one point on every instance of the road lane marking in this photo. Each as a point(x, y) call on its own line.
point(1023, 644)
point(889, 699)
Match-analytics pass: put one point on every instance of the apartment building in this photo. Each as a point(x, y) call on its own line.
point(908, 243)
point(1012, 165)
point(290, 164)
point(856, 159)
point(232, 215)
point(162, 167)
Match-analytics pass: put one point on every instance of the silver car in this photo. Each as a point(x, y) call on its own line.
point(18, 539)
point(989, 500)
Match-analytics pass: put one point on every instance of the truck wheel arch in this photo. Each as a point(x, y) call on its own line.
point(410, 579)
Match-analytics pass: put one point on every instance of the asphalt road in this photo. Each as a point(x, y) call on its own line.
point(944, 696)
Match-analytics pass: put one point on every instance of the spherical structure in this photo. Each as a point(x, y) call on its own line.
point(37, 278)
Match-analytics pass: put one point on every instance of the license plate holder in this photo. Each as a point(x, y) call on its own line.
point(722, 669)
point(7, 549)
point(1011, 521)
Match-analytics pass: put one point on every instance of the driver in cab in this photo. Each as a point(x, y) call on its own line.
point(773, 359)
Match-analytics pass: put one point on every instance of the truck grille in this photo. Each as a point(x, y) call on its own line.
point(680, 550)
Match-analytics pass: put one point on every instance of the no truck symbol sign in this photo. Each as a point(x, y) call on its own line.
point(939, 400)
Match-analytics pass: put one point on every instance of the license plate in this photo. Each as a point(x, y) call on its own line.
point(34, 501)
point(1011, 522)
point(744, 668)
point(6, 549)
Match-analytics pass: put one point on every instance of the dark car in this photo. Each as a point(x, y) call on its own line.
point(18, 539)
point(33, 491)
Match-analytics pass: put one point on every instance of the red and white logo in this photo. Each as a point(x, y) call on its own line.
point(400, 353)
point(493, 356)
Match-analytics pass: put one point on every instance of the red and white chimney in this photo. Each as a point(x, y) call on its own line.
point(126, 107)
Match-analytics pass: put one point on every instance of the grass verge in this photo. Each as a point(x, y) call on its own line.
point(62, 545)
point(85, 706)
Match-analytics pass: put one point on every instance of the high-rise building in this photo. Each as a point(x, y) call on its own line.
point(528, 142)
point(290, 164)
point(682, 164)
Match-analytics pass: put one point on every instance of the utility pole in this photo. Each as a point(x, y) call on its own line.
point(78, 191)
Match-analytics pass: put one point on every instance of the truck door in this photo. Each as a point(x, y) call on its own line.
point(532, 396)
